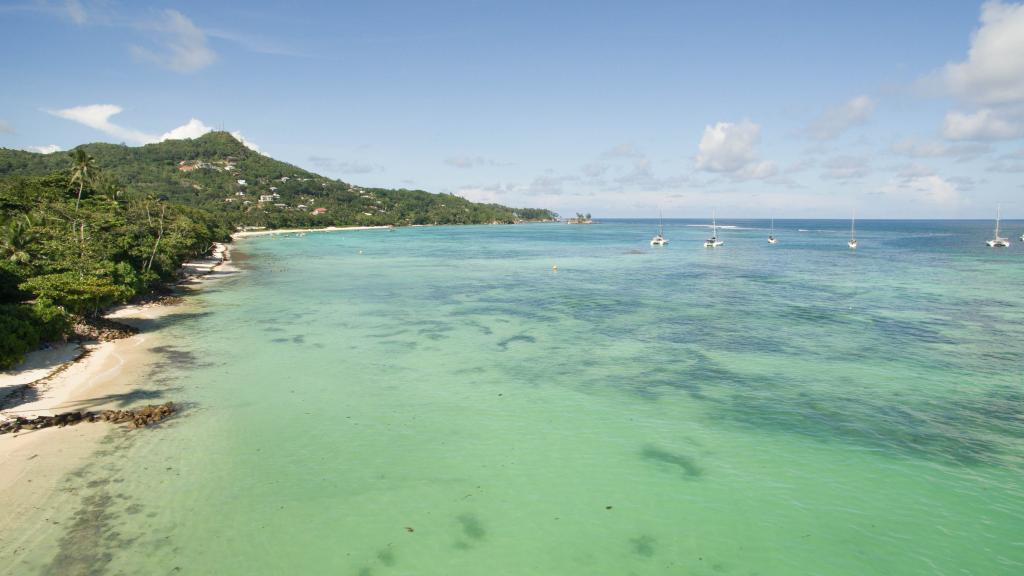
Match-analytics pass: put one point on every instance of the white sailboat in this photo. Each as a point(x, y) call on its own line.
point(713, 242)
point(998, 241)
point(771, 234)
point(659, 238)
point(852, 243)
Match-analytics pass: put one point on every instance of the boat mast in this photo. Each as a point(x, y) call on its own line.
point(714, 225)
point(853, 225)
point(999, 209)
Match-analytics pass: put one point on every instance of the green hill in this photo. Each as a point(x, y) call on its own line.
point(205, 172)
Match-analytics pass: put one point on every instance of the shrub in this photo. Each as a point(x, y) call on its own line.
point(82, 294)
point(24, 326)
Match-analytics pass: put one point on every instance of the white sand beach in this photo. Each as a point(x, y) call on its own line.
point(72, 377)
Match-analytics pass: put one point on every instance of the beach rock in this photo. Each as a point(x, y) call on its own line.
point(138, 418)
point(102, 329)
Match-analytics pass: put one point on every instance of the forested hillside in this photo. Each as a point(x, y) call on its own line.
point(219, 174)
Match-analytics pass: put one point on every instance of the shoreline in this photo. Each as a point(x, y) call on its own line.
point(89, 375)
point(251, 233)
point(42, 367)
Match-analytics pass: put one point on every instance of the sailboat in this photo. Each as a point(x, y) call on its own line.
point(998, 242)
point(659, 238)
point(713, 242)
point(771, 234)
point(852, 243)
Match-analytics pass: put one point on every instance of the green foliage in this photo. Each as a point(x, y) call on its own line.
point(10, 277)
point(204, 172)
point(23, 327)
point(83, 170)
point(77, 293)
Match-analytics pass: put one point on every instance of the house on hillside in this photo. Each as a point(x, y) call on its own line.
point(317, 211)
point(241, 182)
point(266, 198)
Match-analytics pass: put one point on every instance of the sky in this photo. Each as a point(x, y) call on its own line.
point(911, 109)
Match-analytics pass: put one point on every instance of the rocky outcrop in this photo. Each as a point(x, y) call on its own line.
point(138, 418)
point(102, 329)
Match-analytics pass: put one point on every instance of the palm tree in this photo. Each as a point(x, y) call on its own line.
point(15, 239)
point(83, 168)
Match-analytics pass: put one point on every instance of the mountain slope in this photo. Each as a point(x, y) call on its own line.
point(218, 173)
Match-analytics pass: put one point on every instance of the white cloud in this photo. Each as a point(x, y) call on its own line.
point(1012, 162)
point(845, 168)
point(623, 151)
point(479, 194)
point(6, 128)
point(990, 81)
point(935, 149)
point(75, 11)
point(985, 124)
point(247, 143)
point(931, 189)
point(758, 170)
point(48, 149)
point(994, 70)
point(194, 128)
point(731, 148)
point(837, 120)
point(184, 47)
point(98, 116)
point(594, 170)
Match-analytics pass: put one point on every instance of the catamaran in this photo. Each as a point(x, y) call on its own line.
point(998, 241)
point(713, 242)
point(659, 238)
point(771, 234)
point(852, 243)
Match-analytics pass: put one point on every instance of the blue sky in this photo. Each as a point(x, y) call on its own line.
point(791, 109)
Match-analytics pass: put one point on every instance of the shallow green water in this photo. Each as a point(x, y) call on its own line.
point(444, 403)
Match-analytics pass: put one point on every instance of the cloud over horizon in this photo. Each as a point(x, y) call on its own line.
point(991, 78)
point(731, 148)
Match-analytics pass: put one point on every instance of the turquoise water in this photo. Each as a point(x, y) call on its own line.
point(438, 401)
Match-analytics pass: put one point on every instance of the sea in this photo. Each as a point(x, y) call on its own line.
point(569, 400)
